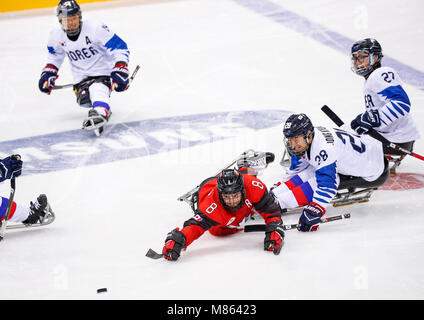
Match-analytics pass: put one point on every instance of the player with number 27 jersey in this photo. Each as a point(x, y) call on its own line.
point(383, 93)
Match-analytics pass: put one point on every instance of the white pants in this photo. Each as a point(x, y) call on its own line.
point(18, 212)
point(298, 190)
point(100, 97)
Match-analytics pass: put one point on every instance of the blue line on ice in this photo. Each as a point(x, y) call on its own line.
point(77, 148)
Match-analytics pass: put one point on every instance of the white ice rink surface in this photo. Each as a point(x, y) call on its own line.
point(207, 56)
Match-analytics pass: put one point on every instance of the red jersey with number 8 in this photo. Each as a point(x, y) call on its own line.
point(213, 216)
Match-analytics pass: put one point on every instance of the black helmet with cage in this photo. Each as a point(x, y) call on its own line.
point(370, 48)
point(297, 125)
point(230, 181)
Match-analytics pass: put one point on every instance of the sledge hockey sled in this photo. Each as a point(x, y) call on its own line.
point(47, 219)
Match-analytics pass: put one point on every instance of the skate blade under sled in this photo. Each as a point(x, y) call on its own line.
point(47, 219)
point(351, 197)
point(95, 123)
point(342, 199)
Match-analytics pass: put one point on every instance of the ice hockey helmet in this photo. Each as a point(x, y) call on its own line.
point(68, 8)
point(297, 125)
point(230, 181)
point(373, 48)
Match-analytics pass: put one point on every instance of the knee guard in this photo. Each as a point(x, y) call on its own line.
point(83, 96)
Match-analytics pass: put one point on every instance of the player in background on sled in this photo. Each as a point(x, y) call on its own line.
point(223, 204)
point(324, 160)
point(98, 58)
point(11, 168)
point(387, 105)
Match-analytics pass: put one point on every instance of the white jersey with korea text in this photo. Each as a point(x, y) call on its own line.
point(383, 92)
point(334, 152)
point(94, 53)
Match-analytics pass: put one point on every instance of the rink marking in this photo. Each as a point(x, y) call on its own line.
point(121, 141)
point(325, 36)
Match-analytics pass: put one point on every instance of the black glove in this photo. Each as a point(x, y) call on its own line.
point(120, 77)
point(174, 242)
point(364, 122)
point(274, 237)
point(48, 78)
point(10, 167)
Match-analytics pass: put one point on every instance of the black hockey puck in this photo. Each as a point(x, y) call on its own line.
point(101, 290)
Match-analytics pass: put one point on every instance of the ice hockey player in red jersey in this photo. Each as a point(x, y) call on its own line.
point(224, 203)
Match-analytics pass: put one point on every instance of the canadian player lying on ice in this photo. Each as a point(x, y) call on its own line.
point(223, 204)
point(387, 105)
point(324, 161)
point(11, 168)
point(98, 58)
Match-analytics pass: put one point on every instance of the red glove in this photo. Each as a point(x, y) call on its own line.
point(174, 242)
point(274, 237)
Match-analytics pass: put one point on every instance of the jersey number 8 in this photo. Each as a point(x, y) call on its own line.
point(257, 184)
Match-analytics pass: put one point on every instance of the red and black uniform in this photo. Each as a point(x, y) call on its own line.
point(213, 216)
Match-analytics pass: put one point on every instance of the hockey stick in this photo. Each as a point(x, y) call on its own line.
point(261, 227)
point(63, 86)
point(258, 227)
point(9, 206)
point(154, 255)
point(330, 113)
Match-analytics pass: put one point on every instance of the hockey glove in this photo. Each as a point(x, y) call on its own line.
point(310, 217)
point(174, 242)
point(274, 237)
point(366, 121)
point(120, 77)
point(48, 78)
point(10, 167)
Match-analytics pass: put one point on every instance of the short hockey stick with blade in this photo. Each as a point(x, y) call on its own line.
point(258, 227)
point(154, 255)
point(69, 85)
point(9, 206)
point(339, 122)
point(261, 227)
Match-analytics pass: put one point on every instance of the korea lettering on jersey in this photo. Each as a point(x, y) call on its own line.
point(315, 176)
point(386, 98)
point(94, 53)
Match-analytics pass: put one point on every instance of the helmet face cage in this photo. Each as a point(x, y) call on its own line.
point(297, 125)
point(230, 181)
point(69, 8)
point(372, 48)
point(292, 151)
